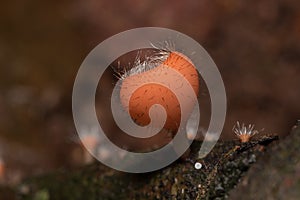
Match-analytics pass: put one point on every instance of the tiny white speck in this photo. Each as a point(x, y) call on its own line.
point(198, 165)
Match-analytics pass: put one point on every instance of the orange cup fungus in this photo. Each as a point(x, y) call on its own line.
point(152, 93)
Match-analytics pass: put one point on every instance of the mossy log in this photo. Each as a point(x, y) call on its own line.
point(276, 175)
point(221, 171)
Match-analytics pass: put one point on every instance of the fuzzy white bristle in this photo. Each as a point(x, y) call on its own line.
point(140, 65)
point(244, 130)
point(148, 63)
point(166, 45)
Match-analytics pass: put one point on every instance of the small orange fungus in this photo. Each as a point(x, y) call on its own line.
point(141, 100)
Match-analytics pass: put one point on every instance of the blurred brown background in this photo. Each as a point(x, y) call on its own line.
point(256, 46)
